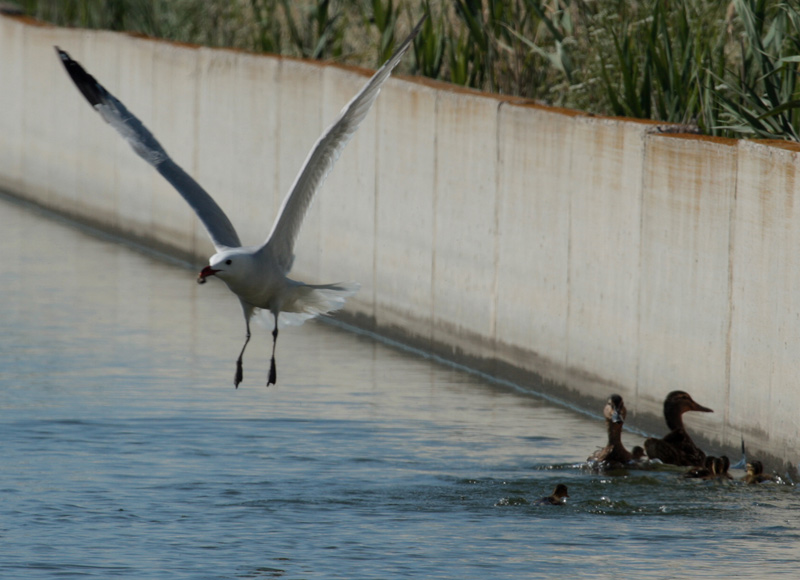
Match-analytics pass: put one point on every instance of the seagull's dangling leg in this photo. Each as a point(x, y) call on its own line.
point(273, 372)
point(239, 374)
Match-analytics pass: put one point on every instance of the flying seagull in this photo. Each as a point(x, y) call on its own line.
point(256, 274)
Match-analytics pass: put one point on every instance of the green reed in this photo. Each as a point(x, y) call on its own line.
point(725, 68)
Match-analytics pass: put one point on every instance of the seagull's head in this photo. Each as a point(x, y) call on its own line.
point(227, 265)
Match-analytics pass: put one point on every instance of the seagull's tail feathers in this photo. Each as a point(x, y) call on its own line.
point(313, 299)
point(308, 301)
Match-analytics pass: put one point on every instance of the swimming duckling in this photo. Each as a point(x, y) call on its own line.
point(755, 473)
point(614, 455)
point(638, 453)
point(677, 448)
point(721, 469)
point(707, 471)
point(558, 497)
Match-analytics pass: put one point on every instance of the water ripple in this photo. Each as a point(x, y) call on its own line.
point(127, 453)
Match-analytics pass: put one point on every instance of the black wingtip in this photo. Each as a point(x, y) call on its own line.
point(86, 83)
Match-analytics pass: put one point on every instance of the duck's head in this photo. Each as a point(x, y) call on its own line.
point(676, 404)
point(754, 468)
point(560, 492)
point(615, 410)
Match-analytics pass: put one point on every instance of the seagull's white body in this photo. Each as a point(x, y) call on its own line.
point(256, 274)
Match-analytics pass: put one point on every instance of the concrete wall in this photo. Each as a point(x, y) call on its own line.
point(595, 253)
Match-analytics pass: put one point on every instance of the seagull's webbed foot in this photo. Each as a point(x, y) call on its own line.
point(273, 373)
point(239, 374)
point(237, 378)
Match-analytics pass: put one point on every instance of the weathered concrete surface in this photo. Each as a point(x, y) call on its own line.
point(404, 217)
point(12, 38)
point(533, 233)
point(688, 195)
point(765, 319)
point(596, 254)
point(604, 264)
point(134, 181)
point(464, 222)
point(346, 204)
point(240, 167)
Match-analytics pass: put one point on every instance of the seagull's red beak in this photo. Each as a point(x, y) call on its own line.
point(205, 273)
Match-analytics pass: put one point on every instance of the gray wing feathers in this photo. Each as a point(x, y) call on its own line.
point(320, 161)
point(132, 130)
point(316, 168)
point(219, 227)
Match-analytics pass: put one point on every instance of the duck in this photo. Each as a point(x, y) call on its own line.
point(614, 455)
point(558, 497)
point(706, 471)
point(677, 448)
point(722, 468)
point(755, 473)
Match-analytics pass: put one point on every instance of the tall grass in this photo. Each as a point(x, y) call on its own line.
point(761, 97)
point(725, 68)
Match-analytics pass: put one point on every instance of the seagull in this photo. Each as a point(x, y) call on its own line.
point(256, 274)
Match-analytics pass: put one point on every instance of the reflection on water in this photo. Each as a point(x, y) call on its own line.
point(128, 453)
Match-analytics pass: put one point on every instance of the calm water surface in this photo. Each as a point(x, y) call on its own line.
point(127, 452)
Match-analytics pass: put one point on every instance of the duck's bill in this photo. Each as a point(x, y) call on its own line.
point(701, 408)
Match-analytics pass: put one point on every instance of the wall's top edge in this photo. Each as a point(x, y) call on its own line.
point(727, 141)
point(774, 144)
point(630, 120)
point(142, 36)
point(531, 104)
point(458, 89)
point(24, 19)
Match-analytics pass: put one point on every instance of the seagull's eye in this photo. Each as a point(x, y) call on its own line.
point(229, 262)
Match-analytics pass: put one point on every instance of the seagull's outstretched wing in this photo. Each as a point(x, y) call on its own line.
point(217, 224)
point(280, 242)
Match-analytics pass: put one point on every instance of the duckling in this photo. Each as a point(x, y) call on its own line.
point(638, 453)
point(614, 455)
point(707, 471)
point(755, 473)
point(677, 448)
point(558, 497)
point(722, 468)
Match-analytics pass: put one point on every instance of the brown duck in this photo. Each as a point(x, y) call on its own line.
point(614, 455)
point(722, 468)
point(707, 471)
point(677, 448)
point(558, 497)
point(755, 473)
point(713, 468)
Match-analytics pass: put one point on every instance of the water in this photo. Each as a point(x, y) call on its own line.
point(127, 452)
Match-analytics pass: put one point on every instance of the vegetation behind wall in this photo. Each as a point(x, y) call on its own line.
point(719, 68)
